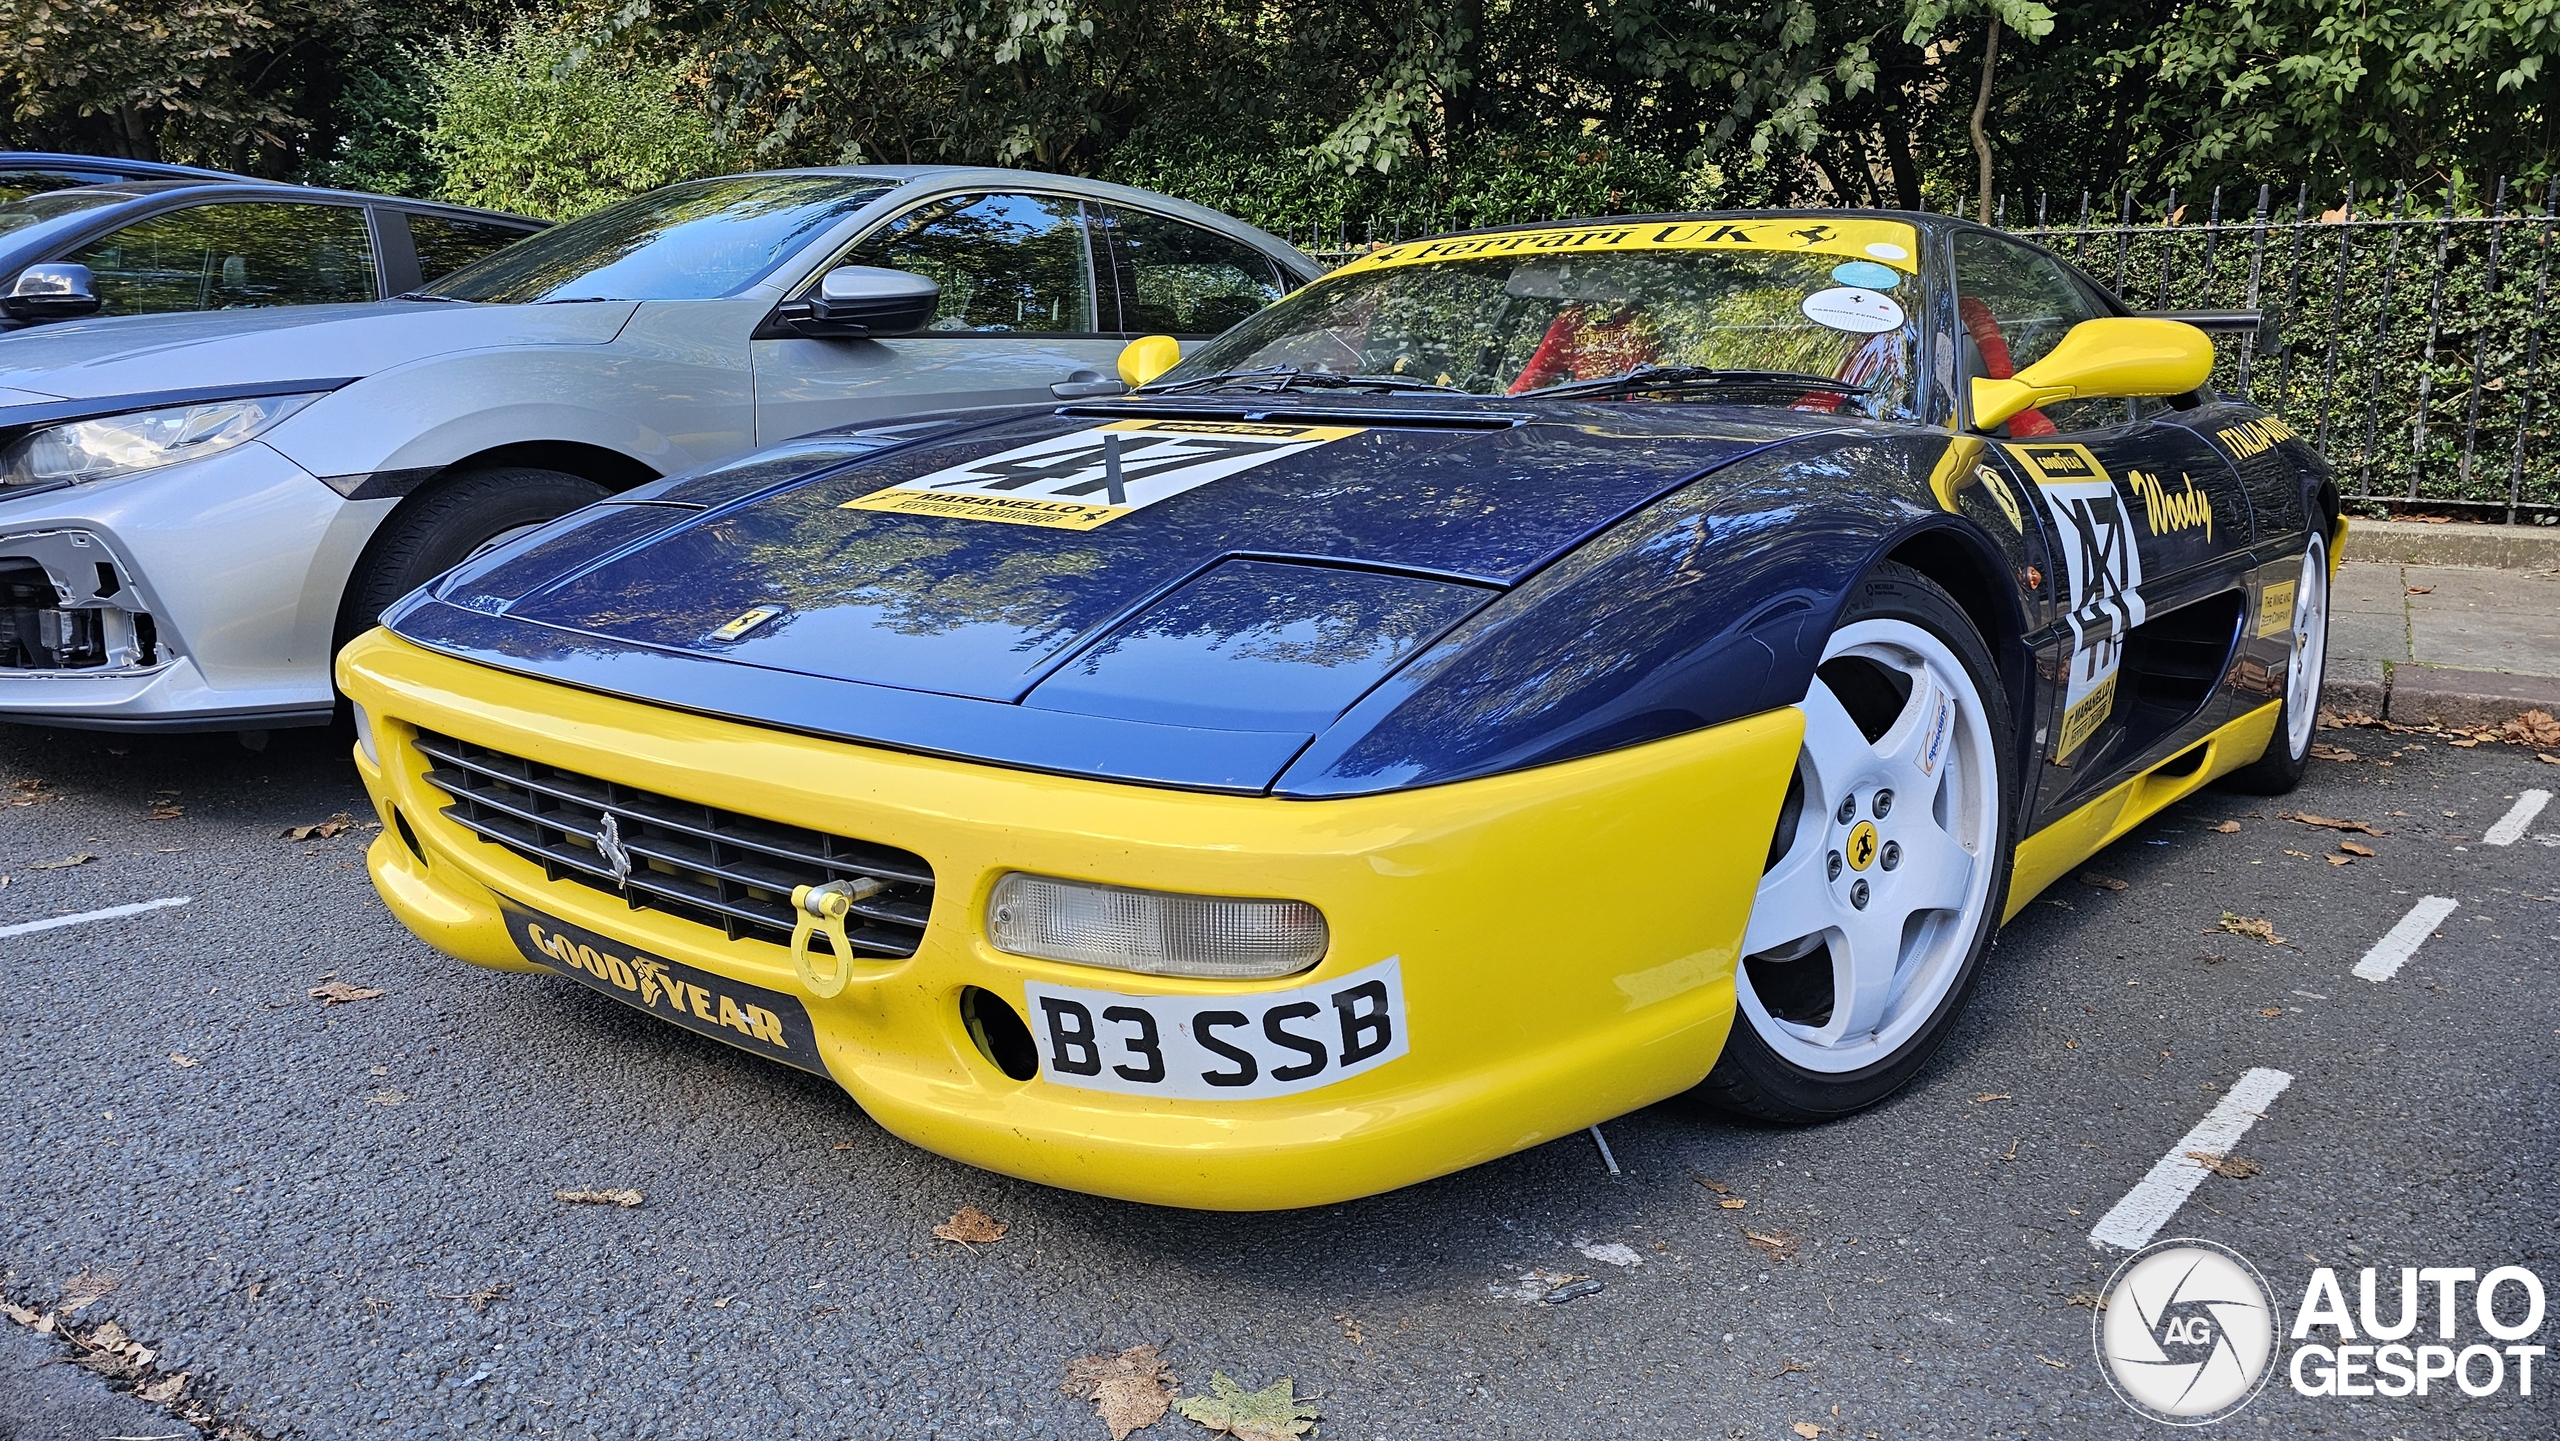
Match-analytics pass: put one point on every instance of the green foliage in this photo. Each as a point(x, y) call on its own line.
point(543, 122)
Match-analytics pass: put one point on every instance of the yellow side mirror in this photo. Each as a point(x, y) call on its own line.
point(2109, 358)
point(1147, 357)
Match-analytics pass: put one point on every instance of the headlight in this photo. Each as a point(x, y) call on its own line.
point(113, 445)
point(1154, 932)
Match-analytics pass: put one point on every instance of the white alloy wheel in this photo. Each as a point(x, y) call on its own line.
point(1886, 879)
point(2310, 657)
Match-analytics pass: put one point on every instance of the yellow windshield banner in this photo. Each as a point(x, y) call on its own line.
point(1888, 242)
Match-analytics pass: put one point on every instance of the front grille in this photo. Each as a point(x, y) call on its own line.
point(710, 866)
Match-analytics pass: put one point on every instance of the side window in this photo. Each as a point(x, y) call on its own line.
point(1006, 263)
point(228, 257)
point(1178, 279)
point(2016, 304)
point(445, 243)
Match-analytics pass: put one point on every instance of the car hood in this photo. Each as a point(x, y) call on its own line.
point(949, 565)
point(145, 354)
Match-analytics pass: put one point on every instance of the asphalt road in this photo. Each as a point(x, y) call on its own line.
point(340, 1221)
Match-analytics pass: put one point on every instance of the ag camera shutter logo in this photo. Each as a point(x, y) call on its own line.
point(2186, 1332)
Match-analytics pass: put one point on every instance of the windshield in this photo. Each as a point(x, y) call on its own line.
point(695, 241)
point(1524, 320)
point(26, 210)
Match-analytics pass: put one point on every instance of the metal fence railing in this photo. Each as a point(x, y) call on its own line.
point(2409, 340)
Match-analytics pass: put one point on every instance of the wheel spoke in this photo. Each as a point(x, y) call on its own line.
point(1866, 952)
point(1914, 748)
point(1835, 745)
point(1795, 902)
point(1936, 874)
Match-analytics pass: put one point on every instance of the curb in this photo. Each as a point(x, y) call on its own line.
point(2486, 547)
point(2414, 694)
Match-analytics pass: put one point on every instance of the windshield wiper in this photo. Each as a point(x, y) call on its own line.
point(1696, 377)
point(1285, 377)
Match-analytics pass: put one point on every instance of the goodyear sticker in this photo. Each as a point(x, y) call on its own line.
point(749, 1017)
point(2104, 578)
point(1092, 477)
point(1890, 242)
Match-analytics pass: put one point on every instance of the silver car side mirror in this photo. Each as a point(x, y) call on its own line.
point(52, 291)
point(866, 300)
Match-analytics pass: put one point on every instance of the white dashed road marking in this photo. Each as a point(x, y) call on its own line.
point(2157, 1197)
point(111, 913)
point(2510, 827)
point(2394, 950)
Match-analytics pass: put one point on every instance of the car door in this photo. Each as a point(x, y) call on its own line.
point(1019, 314)
point(2150, 532)
point(230, 255)
point(1170, 277)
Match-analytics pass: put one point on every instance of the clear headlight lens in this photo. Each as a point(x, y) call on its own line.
point(1156, 933)
point(364, 733)
point(113, 445)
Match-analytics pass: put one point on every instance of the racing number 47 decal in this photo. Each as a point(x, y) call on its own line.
point(2104, 570)
point(1092, 477)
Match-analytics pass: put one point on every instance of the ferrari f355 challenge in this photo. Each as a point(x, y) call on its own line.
point(1520, 677)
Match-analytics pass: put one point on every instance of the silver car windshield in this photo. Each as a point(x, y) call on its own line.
point(695, 241)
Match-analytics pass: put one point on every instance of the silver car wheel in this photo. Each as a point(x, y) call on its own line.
point(2304, 668)
point(1890, 870)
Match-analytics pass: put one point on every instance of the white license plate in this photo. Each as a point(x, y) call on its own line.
point(1220, 1048)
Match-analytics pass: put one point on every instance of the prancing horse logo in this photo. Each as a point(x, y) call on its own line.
point(609, 845)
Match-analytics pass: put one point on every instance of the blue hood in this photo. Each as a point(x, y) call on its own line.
point(1255, 606)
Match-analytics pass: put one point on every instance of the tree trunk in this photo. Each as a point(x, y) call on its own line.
point(1982, 107)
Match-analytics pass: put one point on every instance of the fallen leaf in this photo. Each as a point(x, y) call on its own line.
point(2353, 849)
point(625, 1198)
point(2238, 1168)
point(183, 1062)
point(2328, 752)
point(1733, 1203)
point(387, 1098)
point(2534, 727)
point(972, 1227)
point(2248, 926)
point(2331, 823)
point(1350, 1327)
point(1274, 1413)
point(2339, 860)
point(167, 813)
point(1130, 1391)
point(480, 1299)
point(2466, 744)
point(2057, 1365)
point(2547, 757)
point(2104, 883)
point(1805, 1429)
point(1993, 1096)
point(2271, 1011)
point(2422, 590)
point(2228, 828)
point(84, 1290)
point(333, 993)
point(1780, 1245)
point(323, 830)
point(164, 1390)
point(20, 1314)
point(1719, 1187)
point(81, 859)
point(2090, 1299)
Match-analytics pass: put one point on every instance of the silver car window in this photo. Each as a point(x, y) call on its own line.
point(1007, 264)
point(233, 257)
point(698, 240)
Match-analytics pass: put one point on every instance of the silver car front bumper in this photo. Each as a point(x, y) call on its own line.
point(203, 596)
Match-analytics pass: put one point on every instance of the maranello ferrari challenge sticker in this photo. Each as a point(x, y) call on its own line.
point(1220, 1048)
point(2105, 575)
point(1092, 477)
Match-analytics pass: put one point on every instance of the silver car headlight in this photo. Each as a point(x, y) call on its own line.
point(107, 446)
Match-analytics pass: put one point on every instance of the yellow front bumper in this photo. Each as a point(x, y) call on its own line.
point(1567, 935)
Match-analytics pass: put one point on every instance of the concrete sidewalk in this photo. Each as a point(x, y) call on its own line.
point(2455, 625)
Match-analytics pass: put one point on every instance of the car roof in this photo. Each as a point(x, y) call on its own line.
point(63, 160)
point(239, 187)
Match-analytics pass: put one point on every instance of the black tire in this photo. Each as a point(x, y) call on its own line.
point(441, 526)
point(1752, 1080)
point(2281, 767)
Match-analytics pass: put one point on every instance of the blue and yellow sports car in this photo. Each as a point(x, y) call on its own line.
point(1519, 677)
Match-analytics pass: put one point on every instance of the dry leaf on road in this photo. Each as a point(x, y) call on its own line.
point(323, 830)
point(1806, 1429)
point(1273, 1413)
point(1130, 1391)
point(81, 859)
point(183, 1061)
point(1733, 1203)
point(164, 1390)
point(480, 1299)
point(2534, 727)
point(2331, 823)
point(1992, 1096)
point(1780, 1245)
point(29, 792)
point(2238, 1168)
point(2228, 828)
point(1718, 1187)
point(387, 1098)
point(2339, 860)
point(2353, 849)
point(2248, 926)
point(167, 812)
point(2271, 1011)
point(333, 993)
point(626, 1197)
point(972, 1227)
point(83, 1291)
point(2090, 1299)
point(2104, 883)
point(2337, 753)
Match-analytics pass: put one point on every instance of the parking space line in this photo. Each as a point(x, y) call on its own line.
point(2402, 941)
point(2158, 1195)
point(111, 913)
point(2510, 827)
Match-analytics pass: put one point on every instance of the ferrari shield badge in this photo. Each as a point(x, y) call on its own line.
point(1089, 478)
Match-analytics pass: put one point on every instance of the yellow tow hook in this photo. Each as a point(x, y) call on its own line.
point(824, 907)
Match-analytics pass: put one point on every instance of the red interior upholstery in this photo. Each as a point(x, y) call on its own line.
point(1996, 364)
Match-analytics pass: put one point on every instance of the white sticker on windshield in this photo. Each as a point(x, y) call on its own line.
point(1849, 308)
point(1087, 478)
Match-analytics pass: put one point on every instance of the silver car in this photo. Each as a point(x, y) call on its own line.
point(196, 510)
